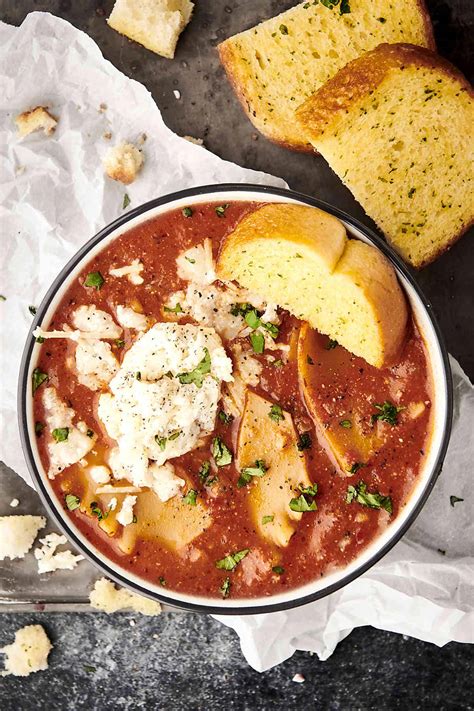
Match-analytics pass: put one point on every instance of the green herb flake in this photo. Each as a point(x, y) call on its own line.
point(134, 519)
point(190, 497)
point(382, 20)
point(190, 260)
point(88, 668)
point(225, 418)
point(94, 279)
point(271, 328)
point(90, 433)
point(387, 412)
point(173, 310)
point(197, 375)
point(162, 581)
point(187, 212)
point(278, 569)
point(40, 339)
point(304, 441)
point(174, 435)
point(97, 511)
point(301, 504)
point(220, 210)
point(347, 424)
point(251, 319)
point(161, 442)
point(3, 298)
point(258, 342)
point(411, 192)
point(126, 201)
point(60, 434)
point(225, 588)
point(32, 310)
point(276, 413)
point(278, 363)
point(355, 467)
point(119, 343)
point(267, 519)
point(203, 472)
point(344, 7)
point(241, 309)
point(221, 453)
point(454, 500)
point(309, 360)
point(39, 427)
point(247, 473)
point(138, 375)
point(331, 344)
point(232, 560)
point(372, 500)
point(72, 501)
point(283, 29)
point(38, 378)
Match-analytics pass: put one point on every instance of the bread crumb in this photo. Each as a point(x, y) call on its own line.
point(14, 503)
point(123, 162)
point(102, 108)
point(298, 678)
point(177, 94)
point(37, 119)
point(107, 598)
point(49, 560)
point(28, 653)
point(196, 141)
point(17, 535)
point(107, 135)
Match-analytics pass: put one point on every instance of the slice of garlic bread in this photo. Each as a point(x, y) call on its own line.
point(301, 259)
point(276, 65)
point(397, 126)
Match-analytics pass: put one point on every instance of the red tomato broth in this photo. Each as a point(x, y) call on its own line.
point(325, 539)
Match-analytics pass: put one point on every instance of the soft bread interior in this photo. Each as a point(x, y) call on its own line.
point(300, 258)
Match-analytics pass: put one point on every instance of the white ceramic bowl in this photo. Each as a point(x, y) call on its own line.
point(309, 591)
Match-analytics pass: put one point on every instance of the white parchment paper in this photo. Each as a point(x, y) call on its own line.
point(54, 196)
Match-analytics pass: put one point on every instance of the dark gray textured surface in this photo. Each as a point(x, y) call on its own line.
point(194, 663)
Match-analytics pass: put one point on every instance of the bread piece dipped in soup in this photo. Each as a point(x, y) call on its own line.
point(233, 400)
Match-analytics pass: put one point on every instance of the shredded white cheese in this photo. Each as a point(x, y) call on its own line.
point(14, 503)
point(112, 505)
point(107, 598)
point(128, 318)
point(99, 473)
point(131, 271)
point(17, 535)
point(28, 653)
point(49, 560)
point(125, 515)
point(96, 365)
point(164, 482)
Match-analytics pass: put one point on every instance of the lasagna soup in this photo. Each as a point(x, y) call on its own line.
point(208, 439)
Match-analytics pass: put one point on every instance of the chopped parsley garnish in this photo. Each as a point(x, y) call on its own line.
point(331, 344)
point(387, 412)
point(175, 310)
point(278, 363)
point(203, 473)
point(220, 210)
point(241, 309)
point(278, 569)
point(344, 5)
point(174, 435)
point(187, 212)
point(32, 310)
point(161, 442)
point(344, 8)
point(88, 668)
point(119, 343)
point(39, 427)
point(231, 560)
point(221, 453)
point(271, 328)
point(283, 29)
point(305, 502)
point(373, 500)
point(267, 519)
point(138, 375)
point(3, 298)
point(94, 279)
point(190, 260)
point(454, 500)
point(197, 375)
point(247, 473)
point(38, 378)
point(225, 418)
point(190, 497)
point(309, 360)
point(225, 588)
point(252, 319)
point(60, 434)
point(347, 424)
point(355, 467)
point(258, 342)
point(40, 339)
point(90, 433)
point(134, 519)
point(304, 441)
point(72, 501)
point(276, 413)
point(126, 201)
point(97, 511)
point(162, 581)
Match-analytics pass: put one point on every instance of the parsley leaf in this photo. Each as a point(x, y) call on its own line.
point(225, 418)
point(372, 500)
point(119, 343)
point(345, 7)
point(39, 427)
point(203, 473)
point(162, 581)
point(387, 412)
point(276, 413)
point(187, 212)
point(252, 319)
point(305, 502)
point(60, 434)
point(94, 279)
point(271, 328)
point(231, 560)
point(355, 467)
point(258, 342)
point(97, 511)
point(161, 442)
point(347, 424)
point(278, 569)
point(175, 310)
point(126, 201)
point(221, 453)
point(72, 501)
point(304, 441)
point(247, 473)
point(454, 500)
point(225, 588)
point(197, 375)
point(32, 310)
point(38, 378)
point(283, 29)
point(90, 433)
point(241, 309)
point(220, 210)
point(331, 344)
point(190, 497)
point(267, 519)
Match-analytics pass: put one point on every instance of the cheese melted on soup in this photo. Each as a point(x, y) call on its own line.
point(207, 440)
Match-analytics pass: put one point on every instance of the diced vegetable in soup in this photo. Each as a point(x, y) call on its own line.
point(207, 440)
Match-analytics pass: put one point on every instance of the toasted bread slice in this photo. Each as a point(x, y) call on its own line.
point(301, 259)
point(397, 126)
point(156, 24)
point(276, 65)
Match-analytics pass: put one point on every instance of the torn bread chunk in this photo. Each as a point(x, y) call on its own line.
point(132, 271)
point(49, 560)
point(17, 535)
point(107, 598)
point(123, 163)
point(68, 443)
point(155, 24)
point(28, 653)
point(38, 119)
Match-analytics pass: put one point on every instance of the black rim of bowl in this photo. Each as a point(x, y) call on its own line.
point(64, 524)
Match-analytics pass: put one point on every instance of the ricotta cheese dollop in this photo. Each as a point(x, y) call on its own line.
point(163, 398)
